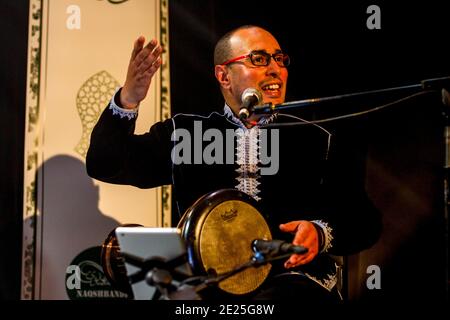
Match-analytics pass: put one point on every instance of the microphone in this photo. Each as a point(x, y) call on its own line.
point(250, 98)
point(275, 247)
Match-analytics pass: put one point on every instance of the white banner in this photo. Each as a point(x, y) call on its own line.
point(78, 56)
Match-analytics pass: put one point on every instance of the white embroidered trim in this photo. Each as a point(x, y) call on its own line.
point(247, 151)
point(128, 113)
point(247, 158)
point(327, 232)
point(328, 283)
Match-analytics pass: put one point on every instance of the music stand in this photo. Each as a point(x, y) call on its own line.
point(153, 258)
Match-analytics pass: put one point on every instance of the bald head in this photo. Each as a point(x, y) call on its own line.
point(224, 47)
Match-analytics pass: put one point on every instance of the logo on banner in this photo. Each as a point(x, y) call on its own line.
point(93, 96)
point(85, 278)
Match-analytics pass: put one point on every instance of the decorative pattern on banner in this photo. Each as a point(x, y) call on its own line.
point(92, 97)
point(32, 142)
point(165, 103)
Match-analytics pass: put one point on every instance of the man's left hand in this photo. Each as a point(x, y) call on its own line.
point(306, 236)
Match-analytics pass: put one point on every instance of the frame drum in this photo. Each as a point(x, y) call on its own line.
point(218, 230)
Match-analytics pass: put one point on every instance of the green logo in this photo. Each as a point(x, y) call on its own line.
point(85, 278)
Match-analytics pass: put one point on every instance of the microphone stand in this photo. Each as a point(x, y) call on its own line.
point(446, 114)
point(160, 273)
point(428, 84)
point(157, 272)
point(259, 258)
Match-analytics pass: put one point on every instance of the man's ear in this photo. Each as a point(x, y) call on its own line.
point(222, 75)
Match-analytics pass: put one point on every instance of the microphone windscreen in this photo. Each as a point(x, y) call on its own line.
point(249, 92)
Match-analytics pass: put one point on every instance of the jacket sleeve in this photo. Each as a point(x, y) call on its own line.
point(116, 155)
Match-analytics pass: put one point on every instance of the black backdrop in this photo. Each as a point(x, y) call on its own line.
point(13, 68)
point(332, 52)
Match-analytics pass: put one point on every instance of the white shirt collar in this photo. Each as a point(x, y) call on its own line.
point(230, 114)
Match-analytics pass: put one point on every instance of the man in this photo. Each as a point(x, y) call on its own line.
point(314, 191)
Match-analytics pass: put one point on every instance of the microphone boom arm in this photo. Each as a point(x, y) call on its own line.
point(268, 108)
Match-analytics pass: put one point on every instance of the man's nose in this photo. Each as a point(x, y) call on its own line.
point(273, 69)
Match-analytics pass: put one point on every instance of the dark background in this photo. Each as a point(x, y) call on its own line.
point(332, 52)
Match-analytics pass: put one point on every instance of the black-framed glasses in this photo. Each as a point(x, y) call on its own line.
point(262, 59)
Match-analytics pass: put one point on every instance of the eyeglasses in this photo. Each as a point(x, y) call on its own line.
point(262, 59)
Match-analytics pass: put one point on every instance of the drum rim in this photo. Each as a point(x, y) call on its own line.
point(109, 246)
point(194, 217)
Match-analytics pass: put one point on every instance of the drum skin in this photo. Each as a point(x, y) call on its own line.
point(218, 230)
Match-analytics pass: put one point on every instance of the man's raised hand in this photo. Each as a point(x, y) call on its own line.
point(144, 63)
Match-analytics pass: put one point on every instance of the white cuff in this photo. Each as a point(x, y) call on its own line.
point(128, 113)
point(327, 233)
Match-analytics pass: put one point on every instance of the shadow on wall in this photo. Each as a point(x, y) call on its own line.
point(71, 220)
point(405, 180)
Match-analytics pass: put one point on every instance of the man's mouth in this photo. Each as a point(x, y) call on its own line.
point(272, 90)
